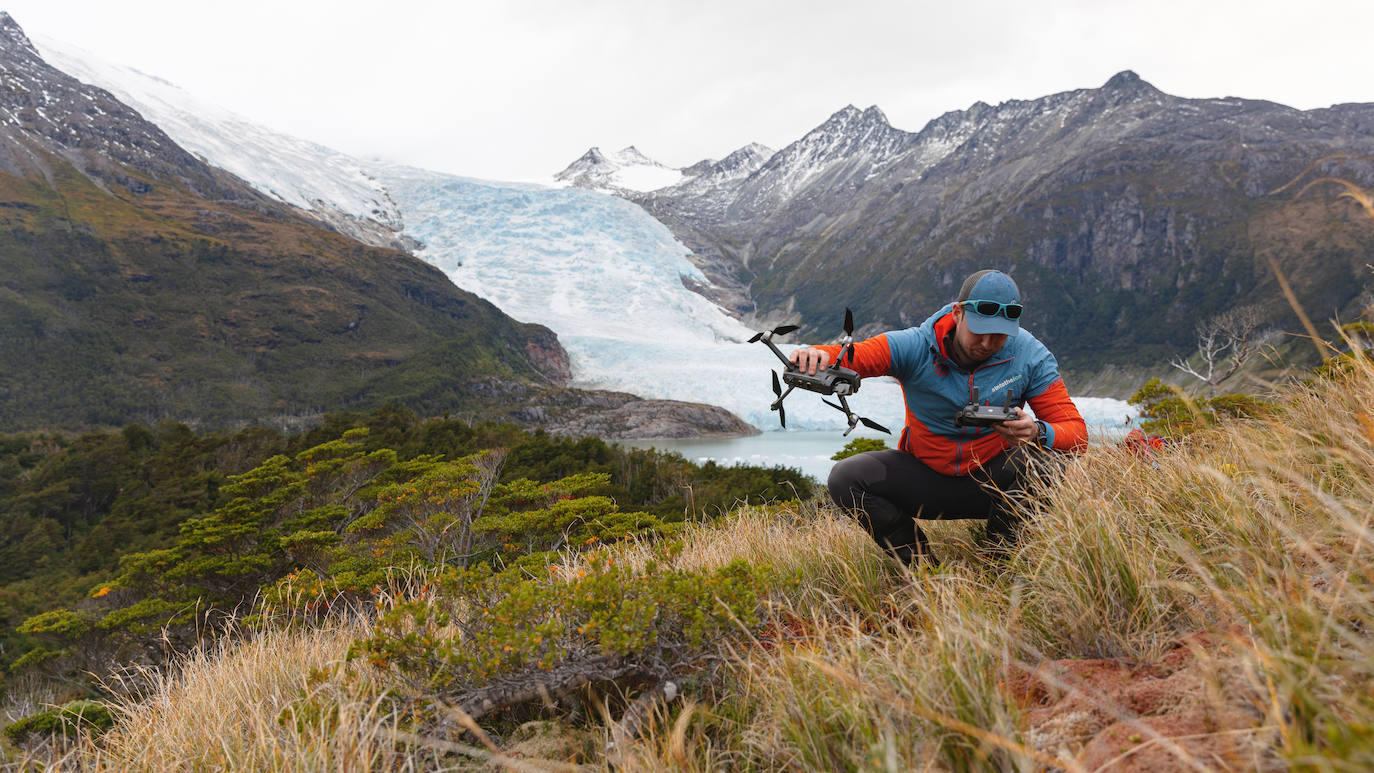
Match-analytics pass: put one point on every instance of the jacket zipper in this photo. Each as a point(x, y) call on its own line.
point(959, 444)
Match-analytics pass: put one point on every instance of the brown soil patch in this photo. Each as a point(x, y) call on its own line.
point(1174, 715)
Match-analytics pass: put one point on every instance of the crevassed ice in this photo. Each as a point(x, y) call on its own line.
point(607, 277)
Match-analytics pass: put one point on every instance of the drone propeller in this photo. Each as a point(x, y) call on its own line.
point(856, 419)
point(781, 330)
point(847, 343)
point(871, 424)
point(777, 406)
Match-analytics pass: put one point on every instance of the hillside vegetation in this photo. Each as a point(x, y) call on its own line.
point(1207, 606)
point(120, 308)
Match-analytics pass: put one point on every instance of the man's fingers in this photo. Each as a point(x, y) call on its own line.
point(808, 360)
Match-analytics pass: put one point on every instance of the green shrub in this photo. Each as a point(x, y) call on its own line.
point(78, 716)
point(1170, 411)
point(859, 445)
point(599, 622)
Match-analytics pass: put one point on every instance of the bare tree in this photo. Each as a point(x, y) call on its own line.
point(1225, 343)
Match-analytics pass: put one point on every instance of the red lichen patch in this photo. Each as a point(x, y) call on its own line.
point(787, 629)
point(1119, 716)
point(1201, 738)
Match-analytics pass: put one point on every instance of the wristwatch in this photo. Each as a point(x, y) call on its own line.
point(1043, 437)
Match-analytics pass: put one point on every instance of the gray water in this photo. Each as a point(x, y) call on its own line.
point(809, 450)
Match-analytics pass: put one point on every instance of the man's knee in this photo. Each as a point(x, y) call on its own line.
point(850, 478)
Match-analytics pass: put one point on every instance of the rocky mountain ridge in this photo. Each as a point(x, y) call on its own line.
point(89, 128)
point(1128, 215)
point(331, 186)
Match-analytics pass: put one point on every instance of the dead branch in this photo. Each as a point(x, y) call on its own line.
point(632, 721)
point(560, 682)
point(1230, 338)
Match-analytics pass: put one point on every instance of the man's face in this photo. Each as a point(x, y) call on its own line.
point(976, 347)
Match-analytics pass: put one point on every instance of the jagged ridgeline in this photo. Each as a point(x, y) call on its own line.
point(138, 283)
point(1126, 214)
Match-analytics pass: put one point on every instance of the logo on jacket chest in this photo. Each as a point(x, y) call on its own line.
point(1006, 383)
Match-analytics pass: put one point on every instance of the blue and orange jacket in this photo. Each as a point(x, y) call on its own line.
point(935, 388)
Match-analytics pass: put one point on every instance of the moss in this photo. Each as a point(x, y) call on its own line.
point(82, 716)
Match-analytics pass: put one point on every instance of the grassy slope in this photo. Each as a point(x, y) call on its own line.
point(119, 308)
point(1253, 542)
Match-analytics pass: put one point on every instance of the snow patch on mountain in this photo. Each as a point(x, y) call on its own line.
point(295, 171)
point(627, 170)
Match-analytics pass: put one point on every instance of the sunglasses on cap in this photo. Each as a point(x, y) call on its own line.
point(993, 308)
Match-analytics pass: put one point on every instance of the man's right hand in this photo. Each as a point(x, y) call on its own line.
point(810, 360)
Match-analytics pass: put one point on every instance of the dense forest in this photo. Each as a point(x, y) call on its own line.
point(112, 540)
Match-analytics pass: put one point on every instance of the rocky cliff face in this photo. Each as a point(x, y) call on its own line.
point(43, 108)
point(1127, 215)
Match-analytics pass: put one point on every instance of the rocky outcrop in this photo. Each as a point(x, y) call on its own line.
point(611, 415)
point(656, 419)
point(548, 357)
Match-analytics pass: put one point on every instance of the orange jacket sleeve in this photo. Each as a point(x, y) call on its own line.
point(1067, 430)
point(872, 357)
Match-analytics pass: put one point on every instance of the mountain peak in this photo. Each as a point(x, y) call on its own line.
point(849, 119)
point(874, 114)
point(12, 34)
point(1128, 81)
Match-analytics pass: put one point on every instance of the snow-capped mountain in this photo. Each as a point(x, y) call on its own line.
point(603, 273)
point(1129, 215)
point(143, 283)
point(597, 269)
point(333, 186)
point(45, 110)
point(625, 171)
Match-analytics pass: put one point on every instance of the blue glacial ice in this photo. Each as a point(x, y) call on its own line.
point(607, 277)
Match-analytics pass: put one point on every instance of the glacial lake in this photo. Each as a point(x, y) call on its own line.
point(810, 450)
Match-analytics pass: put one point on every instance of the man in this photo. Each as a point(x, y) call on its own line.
point(939, 470)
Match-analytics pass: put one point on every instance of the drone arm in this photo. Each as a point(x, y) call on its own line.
point(781, 397)
point(776, 351)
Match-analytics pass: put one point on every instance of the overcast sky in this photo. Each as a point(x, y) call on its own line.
point(517, 89)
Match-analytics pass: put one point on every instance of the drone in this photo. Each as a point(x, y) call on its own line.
point(834, 380)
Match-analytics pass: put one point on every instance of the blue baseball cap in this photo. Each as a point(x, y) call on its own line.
point(992, 303)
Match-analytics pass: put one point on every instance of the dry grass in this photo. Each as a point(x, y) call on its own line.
point(1257, 532)
point(252, 704)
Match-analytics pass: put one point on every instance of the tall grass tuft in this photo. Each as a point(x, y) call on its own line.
point(264, 702)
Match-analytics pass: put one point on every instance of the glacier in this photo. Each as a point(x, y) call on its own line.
point(597, 269)
point(608, 278)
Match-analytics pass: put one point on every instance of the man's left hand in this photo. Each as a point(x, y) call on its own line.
point(1022, 429)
